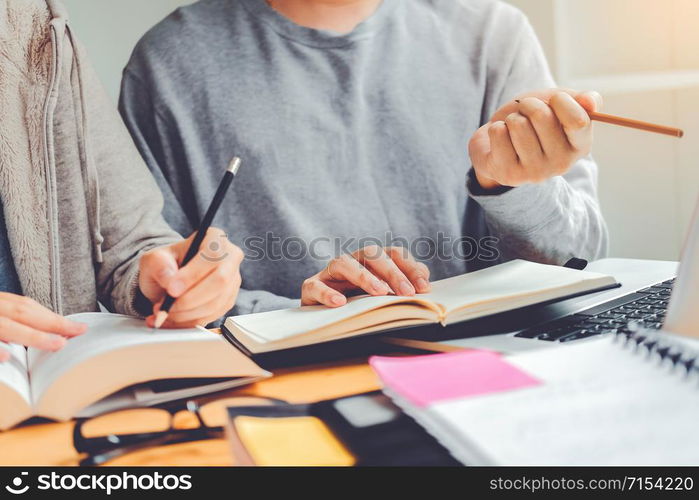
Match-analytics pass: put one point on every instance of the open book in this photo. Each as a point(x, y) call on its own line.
point(490, 291)
point(112, 358)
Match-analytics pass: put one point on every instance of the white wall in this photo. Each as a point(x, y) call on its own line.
point(643, 56)
point(110, 29)
point(648, 183)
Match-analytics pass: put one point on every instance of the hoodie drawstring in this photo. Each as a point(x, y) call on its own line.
point(92, 194)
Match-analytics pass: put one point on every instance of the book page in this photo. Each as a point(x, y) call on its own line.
point(273, 326)
point(13, 373)
point(15, 395)
point(514, 283)
point(106, 332)
point(504, 282)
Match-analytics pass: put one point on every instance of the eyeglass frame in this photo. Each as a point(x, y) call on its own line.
point(102, 449)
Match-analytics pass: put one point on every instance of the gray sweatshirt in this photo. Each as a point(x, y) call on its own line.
point(79, 205)
point(350, 139)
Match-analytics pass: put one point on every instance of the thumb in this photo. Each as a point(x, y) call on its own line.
point(591, 100)
point(158, 268)
point(479, 146)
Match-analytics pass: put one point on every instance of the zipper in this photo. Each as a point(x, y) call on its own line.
point(50, 171)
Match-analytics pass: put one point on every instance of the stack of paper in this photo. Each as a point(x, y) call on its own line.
point(595, 403)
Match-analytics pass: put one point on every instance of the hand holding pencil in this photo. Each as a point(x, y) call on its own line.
point(541, 135)
point(194, 281)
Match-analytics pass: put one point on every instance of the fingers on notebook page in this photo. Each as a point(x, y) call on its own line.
point(372, 269)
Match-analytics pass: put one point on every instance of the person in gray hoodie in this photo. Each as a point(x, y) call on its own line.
point(80, 215)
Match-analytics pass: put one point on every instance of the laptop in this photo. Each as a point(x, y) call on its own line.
point(654, 295)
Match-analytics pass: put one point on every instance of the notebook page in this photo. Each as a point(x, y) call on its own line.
point(105, 332)
point(273, 326)
point(514, 278)
point(506, 280)
point(13, 373)
point(599, 405)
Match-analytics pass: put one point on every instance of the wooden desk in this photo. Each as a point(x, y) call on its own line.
point(52, 443)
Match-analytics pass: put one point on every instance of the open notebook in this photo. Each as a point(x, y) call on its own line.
point(607, 401)
point(115, 355)
point(493, 290)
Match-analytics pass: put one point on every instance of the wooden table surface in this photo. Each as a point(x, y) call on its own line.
point(51, 443)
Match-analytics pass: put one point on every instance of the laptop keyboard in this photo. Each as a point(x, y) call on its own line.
point(646, 308)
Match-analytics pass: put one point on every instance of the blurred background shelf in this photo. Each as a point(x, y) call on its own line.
point(638, 82)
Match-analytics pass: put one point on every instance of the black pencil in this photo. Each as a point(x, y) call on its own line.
point(193, 250)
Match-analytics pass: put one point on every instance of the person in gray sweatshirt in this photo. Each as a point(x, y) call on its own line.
point(80, 215)
point(372, 130)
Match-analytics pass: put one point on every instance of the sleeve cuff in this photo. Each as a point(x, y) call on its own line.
point(523, 209)
point(475, 188)
point(129, 300)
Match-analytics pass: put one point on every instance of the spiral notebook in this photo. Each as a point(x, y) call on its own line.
point(612, 401)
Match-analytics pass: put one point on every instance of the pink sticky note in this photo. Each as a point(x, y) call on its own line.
point(424, 380)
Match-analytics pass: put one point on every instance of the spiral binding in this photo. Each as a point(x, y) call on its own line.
point(654, 343)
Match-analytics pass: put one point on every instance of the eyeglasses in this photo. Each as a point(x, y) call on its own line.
point(109, 436)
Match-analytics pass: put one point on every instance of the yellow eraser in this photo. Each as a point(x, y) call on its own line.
point(301, 441)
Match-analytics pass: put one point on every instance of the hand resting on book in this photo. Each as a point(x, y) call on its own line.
point(25, 322)
point(372, 269)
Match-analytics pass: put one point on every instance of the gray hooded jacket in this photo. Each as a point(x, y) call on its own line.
point(80, 205)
